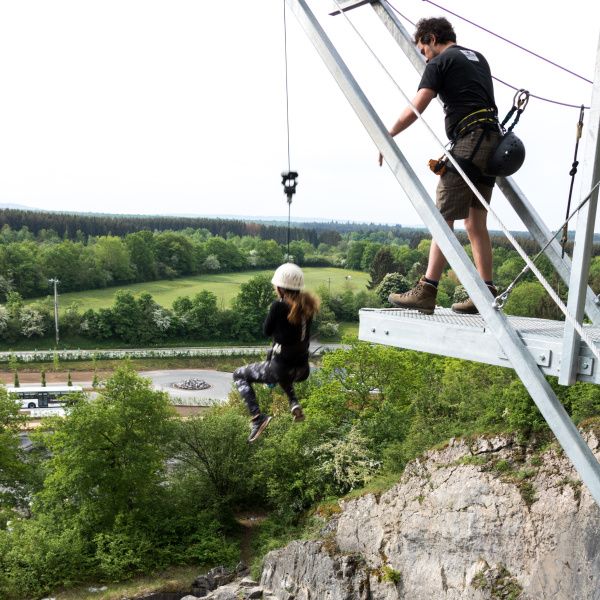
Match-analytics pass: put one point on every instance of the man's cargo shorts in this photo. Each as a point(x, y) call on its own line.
point(454, 197)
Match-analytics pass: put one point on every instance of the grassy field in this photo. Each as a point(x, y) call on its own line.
point(224, 285)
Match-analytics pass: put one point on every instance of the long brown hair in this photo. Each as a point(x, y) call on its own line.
point(303, 305)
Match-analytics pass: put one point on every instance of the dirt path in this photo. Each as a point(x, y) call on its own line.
point(248, 521)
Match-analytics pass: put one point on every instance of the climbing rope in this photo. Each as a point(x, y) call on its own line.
point(289, 177)
point(532, 267)
point(572, 173)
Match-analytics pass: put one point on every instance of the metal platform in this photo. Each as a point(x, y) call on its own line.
point(466, 336)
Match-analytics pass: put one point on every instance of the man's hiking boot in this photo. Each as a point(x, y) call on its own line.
point(297, 413)
point(467, 307)
point(258, 425)
point(421, 298)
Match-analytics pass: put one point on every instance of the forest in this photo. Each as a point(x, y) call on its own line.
point(53, 246)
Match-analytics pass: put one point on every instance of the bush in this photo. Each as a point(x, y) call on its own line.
point(36, 556)
point(345, 462)
point(329, 330)
point(392, 283)
point(121, 554)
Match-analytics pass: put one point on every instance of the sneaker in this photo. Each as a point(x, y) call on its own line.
point(258, 425)
point(421, 298)
point(467, 307)
point(297, 413)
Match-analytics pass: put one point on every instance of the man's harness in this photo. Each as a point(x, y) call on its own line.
point(485, 119)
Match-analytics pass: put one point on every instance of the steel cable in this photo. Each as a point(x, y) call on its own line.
point(509, 85)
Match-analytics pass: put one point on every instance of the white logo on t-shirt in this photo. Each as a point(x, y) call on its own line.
point(470, 55)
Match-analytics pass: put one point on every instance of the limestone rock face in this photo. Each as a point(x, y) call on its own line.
point(474, 521)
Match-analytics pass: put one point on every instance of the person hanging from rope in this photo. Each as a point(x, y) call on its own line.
point(288, 323)
point(463, 80)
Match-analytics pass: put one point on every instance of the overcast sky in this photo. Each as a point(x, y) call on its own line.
point(155, 107)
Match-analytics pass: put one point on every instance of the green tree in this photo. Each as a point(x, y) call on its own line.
point(174, 254)
point(4, 319)
point(20, 266)
point(108, 508)
point(13, 365)
point(200, 315)
point(383, 263)
point(226, 252)
point(269, 253)
point(299, 250)
point(507, 271)
point(97, 325)
point(70, 319)
point(251, 306)
point(142, 254)
point(12, 468)
point(355, 254)
point(214, 449)
point(370, 251)
point(108, 457)
point(66, 262)
point(112, 255)
point(530, 299)
point(33, 322)
point(127, 318)
point(405, 258)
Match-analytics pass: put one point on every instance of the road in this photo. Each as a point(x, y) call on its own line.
point(219, 381)
point(187, 402)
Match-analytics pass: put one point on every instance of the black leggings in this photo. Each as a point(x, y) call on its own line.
point(269, 371)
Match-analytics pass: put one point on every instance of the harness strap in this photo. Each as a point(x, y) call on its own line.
point(486, 118)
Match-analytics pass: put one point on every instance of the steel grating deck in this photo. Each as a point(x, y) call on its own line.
point(466, 336)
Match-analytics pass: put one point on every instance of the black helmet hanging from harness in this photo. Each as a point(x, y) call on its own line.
point(509, 154)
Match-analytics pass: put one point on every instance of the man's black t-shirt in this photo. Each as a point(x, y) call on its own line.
point(463, 80)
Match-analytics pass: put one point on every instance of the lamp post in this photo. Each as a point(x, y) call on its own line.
point(55, 282)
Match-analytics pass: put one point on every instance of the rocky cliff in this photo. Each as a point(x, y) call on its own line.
point(477, 520)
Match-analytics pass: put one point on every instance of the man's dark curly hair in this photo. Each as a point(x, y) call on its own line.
point(437, 26)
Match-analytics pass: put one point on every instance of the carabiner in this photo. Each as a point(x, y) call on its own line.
point(521, 99)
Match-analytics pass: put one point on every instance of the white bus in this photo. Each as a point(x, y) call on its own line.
point(43, 396)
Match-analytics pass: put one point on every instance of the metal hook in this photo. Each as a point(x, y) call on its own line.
point(499, 300)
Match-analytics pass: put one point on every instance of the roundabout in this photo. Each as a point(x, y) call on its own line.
point(192, 387)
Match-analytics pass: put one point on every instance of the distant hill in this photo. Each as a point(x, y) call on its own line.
point(265, 220)
point(19, 207)
point(278, 222)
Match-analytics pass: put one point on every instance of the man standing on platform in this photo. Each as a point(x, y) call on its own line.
point(463, 80)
